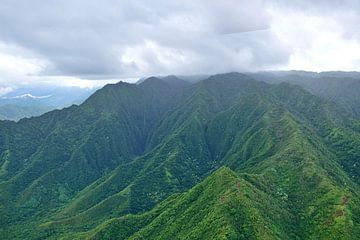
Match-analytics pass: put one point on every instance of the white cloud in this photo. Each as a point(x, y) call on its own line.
point(5, 90)
point(316, 42)
point(16, 64)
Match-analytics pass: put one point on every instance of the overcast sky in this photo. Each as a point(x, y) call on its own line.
point(89, 43)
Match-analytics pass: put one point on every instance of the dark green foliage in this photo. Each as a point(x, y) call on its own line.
point(121, 165)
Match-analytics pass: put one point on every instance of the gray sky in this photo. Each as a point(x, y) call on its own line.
point(89, 43)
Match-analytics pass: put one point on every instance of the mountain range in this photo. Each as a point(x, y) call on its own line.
point(343, 88)
point(231, 156)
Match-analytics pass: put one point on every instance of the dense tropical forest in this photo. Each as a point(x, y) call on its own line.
point(228, 156)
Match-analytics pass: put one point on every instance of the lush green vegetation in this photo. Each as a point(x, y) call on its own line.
point(225, 158)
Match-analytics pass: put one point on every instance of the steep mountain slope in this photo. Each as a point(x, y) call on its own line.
point(222, 206)
point(285, 157)
point(292, 165)
point(179, 161)
point(46, 160)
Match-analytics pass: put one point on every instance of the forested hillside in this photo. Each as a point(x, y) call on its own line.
point(227, 157)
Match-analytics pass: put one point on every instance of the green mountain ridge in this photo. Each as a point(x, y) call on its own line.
point(252, 155)
point(222, 206)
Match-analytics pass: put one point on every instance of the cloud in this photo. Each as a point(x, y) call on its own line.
point(5, 90)
point(320, 36)
point(91, 40)
point(346, 13)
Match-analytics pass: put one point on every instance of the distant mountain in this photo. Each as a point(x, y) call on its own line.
point(28, 102)
point(187, 78)
point(16, 112)
point(342, 88)
point(27, 96)
point(228, 157)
